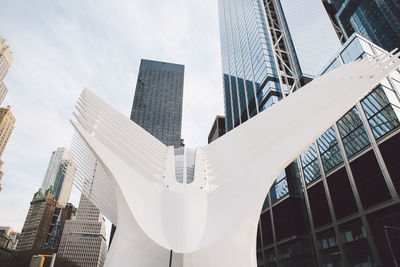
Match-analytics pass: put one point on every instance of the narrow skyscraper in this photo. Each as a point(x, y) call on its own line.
point(59, 174)
point(157, 105)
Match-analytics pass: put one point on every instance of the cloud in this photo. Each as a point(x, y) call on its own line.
point(60, 47)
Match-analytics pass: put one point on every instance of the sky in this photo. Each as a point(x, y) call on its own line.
point(60, 47)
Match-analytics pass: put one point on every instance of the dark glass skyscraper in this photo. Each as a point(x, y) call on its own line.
point(250, 76)
point(376, 20)
point(157, 105)
point(260, 65)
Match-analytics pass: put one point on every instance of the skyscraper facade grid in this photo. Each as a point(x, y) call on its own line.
point(348, 201)
point(157, 105)
point(83, 240)
point(376, 20)
point(250, 75)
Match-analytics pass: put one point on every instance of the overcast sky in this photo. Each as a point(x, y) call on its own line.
point(60, 47)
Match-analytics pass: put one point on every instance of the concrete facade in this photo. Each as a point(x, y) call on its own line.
point(84, 238)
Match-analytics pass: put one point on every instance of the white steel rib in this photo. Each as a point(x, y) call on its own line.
point(211, 221)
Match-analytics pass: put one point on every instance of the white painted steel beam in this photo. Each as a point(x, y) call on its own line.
point(130, 175)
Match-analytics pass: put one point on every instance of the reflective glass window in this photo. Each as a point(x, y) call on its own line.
point(310, 164)
point(280, 187)
point(352, 52)
point(381, 114)
point(329, 150)
point(336, 63)
point(352, 132)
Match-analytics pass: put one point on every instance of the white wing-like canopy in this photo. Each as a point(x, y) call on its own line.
point(211, 221)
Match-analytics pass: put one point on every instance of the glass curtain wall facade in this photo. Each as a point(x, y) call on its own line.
point(259, 63)
point(312, 32)
point(250, 76)
point(347, 208)
point(376, 20)
point(157, 105)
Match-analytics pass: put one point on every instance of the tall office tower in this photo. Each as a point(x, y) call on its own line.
point(218, 129)
point(59, 175)
point(259, 59)
point(38, 222)
point(84, 239)
point(376, 20)
point(157, 105)
point(7, 121)
point(5, 63)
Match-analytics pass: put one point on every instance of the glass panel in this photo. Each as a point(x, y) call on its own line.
point(270, 258)
point(310, 164)
point(328, 248)
point(352, 132)
point(329, 150)
point(336, 63)
point(352, 52)
point(356, 247)
point(366, 47)
point(190, 164)
point(380, 113)
point(280, 187)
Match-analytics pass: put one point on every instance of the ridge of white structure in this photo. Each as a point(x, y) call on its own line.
point(208, 215)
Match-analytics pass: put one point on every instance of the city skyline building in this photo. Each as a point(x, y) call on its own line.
point(83, 240)
point(158, 100)
point(377, 21)
point(6, 60)
point(38, 223)
point(59, 175)
point(7, 122)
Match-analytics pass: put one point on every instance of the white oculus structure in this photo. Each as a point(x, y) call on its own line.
point(204, 206)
